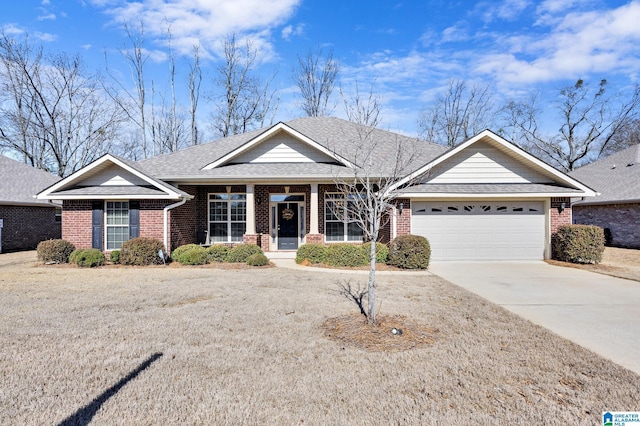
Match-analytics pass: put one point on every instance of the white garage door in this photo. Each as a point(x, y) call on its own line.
point(481, 230)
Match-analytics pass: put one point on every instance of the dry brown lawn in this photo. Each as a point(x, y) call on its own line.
point(189, 345)
point(617, 262)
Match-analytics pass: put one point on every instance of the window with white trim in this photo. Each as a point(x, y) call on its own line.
point(227, 217)
point(116, 224)
point(339, 223)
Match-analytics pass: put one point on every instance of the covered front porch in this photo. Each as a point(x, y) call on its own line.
point(276, 217)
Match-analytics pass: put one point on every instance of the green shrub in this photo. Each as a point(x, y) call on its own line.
point(87, 258)
point(114, 256)
point(241, 252)
point(217, 253)
point(312, 252)
point(382, 252)
point(409, 252)
point(345, 254)
point(193, 256)
point(578, 244)
point(55, 251)
point(175, 254)
point(141, 251)
point(257, 259)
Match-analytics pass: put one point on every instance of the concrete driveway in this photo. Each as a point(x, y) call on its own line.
point(596, 311)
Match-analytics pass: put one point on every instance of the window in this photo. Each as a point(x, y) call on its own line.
point(339, 222)
point(227, 217)
point(117, 224)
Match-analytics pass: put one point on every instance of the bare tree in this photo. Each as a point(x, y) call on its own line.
point(315, 76)
point(134, 102)
point(366, 193)
point(60, 115)
point(589, 123)
point(457, 115)
point(245, 100)
point(195, 79)
point(628, 135)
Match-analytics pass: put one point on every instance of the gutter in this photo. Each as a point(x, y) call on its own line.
point(166, 221)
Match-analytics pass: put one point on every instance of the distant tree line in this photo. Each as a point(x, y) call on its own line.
point(58, 116)
point(582, 125)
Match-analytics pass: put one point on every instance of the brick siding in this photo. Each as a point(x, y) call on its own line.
point(623, 220)
point(560, 218)
point(25, 226)
point(76, 221)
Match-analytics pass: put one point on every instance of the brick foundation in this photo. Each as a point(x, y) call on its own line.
point(622, 220)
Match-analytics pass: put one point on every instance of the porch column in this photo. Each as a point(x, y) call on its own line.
point(313, 214)
point(251, 211)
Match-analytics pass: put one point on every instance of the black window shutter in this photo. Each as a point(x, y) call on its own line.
point(96, 225)
point(134, 219)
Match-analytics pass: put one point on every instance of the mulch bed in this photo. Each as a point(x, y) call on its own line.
point(354, 330)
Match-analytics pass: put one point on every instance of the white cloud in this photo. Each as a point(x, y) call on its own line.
point(47, 37)
point(290, 30)
point(12, 29)
point(587, 42)
point(47, 17)
point(206, 21)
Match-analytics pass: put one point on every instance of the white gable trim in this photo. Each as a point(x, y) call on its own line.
point(49, 193)
point(266, 135)
point(559, 176)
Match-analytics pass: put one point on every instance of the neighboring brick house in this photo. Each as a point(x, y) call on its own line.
point(276, 187)
point(616, 207)
point(25, 220)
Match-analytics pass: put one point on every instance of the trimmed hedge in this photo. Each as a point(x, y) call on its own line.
point(257, 259)
point(175, 254)
point(578, 244)
point(217, 253)
point(382, 252)
point(141, 251)
point(345, 254)
point(55, 251)
point(114, 256)
point(194, 255)
point(87, 258)
point(241, 252)
point(311, 252)
point(409, 252)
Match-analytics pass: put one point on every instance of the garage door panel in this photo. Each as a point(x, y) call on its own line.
point(481, 230)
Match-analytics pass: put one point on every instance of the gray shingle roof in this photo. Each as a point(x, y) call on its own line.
point(20, 182)
point(616, 177)
point(336, 135)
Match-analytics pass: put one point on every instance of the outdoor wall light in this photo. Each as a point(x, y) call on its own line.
point(561, 207)
point(400, 208)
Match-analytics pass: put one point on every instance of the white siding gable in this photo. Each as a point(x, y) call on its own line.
point(113, 176)
point(483, 163)
point(282, 148)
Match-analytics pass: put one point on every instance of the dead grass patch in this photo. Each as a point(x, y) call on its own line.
point(247, 346)
point(616, 262)
point(354, 330)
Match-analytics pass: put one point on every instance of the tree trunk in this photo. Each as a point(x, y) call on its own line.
point(371, 296)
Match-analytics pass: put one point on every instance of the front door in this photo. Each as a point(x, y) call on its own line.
point(287, 226)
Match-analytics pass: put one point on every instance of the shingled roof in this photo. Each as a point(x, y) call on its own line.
point(19, 183)
point(335, 135)
point(616, 177)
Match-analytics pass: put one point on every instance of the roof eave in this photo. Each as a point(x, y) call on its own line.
point(472, 196)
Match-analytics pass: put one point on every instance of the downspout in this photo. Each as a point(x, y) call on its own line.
point(166, 221)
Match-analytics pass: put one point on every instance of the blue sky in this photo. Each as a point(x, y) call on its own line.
point(407, 50)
